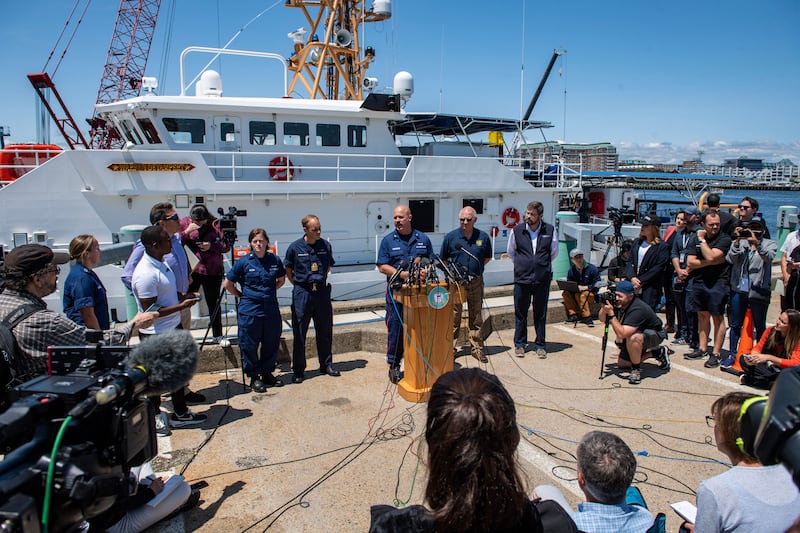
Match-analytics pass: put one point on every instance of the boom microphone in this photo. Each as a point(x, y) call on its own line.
point(160, 363)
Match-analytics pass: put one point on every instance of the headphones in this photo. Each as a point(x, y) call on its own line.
point(750, 415)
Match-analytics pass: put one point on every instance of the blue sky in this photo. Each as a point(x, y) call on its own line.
point(660, 80)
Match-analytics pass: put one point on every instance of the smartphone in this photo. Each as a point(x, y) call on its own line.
point(154, 308)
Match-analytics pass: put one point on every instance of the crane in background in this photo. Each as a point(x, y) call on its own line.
point(122, 75)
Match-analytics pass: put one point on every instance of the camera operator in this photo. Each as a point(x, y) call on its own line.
point(639, 329)
point(31, 273)
point(750, 257)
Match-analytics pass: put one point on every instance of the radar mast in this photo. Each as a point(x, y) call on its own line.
point(328, 61)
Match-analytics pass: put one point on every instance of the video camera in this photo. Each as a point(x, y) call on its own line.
point(608, 296)
point(770, 427)
point(228, 223)
point(618, 216)
point(71, 438)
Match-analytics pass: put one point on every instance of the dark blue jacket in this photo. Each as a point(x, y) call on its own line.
point(533, 266)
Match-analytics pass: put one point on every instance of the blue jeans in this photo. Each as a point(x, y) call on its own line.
point(740, 302)
point(524, 293)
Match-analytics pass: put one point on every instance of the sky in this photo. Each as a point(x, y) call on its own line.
point(661, 81)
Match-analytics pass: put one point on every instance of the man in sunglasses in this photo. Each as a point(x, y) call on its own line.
point(469, 248)
point(747, 209)
point(163, 214)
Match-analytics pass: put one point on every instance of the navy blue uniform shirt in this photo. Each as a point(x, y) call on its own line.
point(309, 262)
point(258, 279)
point(478, 245)
point(395, 249)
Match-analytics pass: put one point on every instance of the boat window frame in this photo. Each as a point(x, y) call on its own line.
point(129, 131)
point(224, 132)
point(324, 138)
point(149, 130)
point(356, 136)
point(252, 134)
point(193, 132)
point(299, 130)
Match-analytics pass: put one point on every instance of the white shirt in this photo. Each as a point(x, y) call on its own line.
point(154, 279)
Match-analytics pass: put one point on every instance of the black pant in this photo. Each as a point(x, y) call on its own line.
point(211, 291)
point(178, 396)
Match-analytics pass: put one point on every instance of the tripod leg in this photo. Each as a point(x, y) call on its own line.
point(605, 343)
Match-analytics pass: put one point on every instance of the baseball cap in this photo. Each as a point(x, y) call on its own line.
point(757, 221)
point(574, 252)
point(625, 286)
point(650, 220)
point(692, 210)
point(30, 258)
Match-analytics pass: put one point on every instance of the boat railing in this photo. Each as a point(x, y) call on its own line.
point(17, 160)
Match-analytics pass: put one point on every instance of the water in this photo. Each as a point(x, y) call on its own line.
point(768, 201)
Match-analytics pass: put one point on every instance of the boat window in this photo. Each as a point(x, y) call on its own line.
point(186, 130)
point(227, 132)
point(295, 134)
point(328, 135)
point(262, 133)
point(149, 129)
point(130, 132)
point(474, 203)
point(423, 211)
point(357, 136)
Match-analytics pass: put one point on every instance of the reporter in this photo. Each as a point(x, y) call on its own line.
point(778, 346)
point(31, 272)
point(750, 496)
point(474, 481)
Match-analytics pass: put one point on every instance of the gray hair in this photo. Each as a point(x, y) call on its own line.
point(607, 465)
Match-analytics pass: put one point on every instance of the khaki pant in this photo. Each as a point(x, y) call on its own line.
point(472, 293)
point(577, 303)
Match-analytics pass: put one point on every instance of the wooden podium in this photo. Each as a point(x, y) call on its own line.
point(427, 336)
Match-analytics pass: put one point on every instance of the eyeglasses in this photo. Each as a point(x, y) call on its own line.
point(710, 421)
point(745, 207)
point(49, 269)
point(173, 217)
point(465, 219)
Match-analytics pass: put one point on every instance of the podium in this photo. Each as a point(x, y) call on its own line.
point(427, 336)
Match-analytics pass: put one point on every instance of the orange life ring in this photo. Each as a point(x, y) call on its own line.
point(281, 168)
point(510, 217)
point(495, 231)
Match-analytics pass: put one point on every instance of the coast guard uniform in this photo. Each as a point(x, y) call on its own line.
point(259, 315)
point(311, 298)
point(394, 249)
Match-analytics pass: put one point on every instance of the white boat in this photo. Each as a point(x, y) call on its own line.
point(347, 161)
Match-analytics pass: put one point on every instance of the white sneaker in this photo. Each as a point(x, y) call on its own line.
point(162, 425)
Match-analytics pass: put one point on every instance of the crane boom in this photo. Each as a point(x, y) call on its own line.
point(556, 54)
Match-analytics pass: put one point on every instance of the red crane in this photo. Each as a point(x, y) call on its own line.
point(122, 74)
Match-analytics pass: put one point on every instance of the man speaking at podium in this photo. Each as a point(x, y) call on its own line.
point(397, 252)
point(472, 249)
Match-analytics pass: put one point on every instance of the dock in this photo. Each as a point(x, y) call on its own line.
point(315, 456)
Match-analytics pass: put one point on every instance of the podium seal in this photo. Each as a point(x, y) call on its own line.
point(438, 297)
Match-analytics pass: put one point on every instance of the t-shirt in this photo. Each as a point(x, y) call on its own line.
point(712, 274)
point(747, 499)
point(641, 316)
point(792, 241)
point(154, 279)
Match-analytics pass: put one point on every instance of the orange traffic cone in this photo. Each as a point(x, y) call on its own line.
point(746, 342)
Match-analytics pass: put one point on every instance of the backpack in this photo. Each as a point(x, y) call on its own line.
point(10, 352)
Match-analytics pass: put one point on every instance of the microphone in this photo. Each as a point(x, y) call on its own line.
point(460, 248)
point(160, 363)
point(400, 267)
point(448, 273)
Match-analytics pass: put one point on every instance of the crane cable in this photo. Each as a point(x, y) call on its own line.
point(72, 36)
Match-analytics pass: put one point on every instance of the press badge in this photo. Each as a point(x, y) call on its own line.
point(744, 284)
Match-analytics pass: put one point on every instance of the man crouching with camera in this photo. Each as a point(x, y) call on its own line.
point(638, 329)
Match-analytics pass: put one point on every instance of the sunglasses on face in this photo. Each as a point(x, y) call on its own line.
point(173, 217)
point(465, 219)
